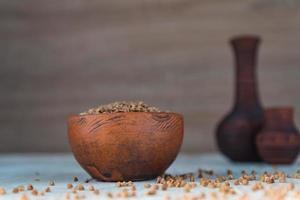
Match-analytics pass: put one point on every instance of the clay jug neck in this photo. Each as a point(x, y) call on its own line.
point(245, 51)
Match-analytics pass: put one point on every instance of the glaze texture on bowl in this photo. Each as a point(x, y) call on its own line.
point(125, 146)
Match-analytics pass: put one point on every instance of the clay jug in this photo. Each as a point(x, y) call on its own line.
point(278, 141)
point(237, 131)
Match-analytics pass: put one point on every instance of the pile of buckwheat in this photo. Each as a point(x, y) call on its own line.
point(220, 187)
point(121, 106)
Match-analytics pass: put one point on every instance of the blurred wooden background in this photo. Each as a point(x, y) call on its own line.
point(60, 57)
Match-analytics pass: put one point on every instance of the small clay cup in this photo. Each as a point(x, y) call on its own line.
point(278, 142)
point(125, 146)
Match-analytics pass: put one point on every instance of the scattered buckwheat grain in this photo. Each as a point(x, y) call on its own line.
point(97, 192)
point(133, 188)
point(151, 192)
point(91, 188)
point(67, 197)
point(69, 186)
point(29, 187)
point(109, 195)
point(291, 186)
point(34, 192)
point(187, 188)
point(2, 191)
point(51, 183)
point(257, 186)
point(23, 197)
point(79, 187)
point(21, 188)
point(15, 190)
point(122, 106)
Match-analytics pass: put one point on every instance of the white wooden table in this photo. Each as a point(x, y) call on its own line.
point(23, 169)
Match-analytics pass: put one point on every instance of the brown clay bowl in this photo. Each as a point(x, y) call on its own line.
point(125, 146)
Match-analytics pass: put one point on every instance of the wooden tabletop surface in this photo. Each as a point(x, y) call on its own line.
point(39, 169)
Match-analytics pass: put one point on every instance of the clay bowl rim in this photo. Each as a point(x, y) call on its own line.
point(143, 113)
